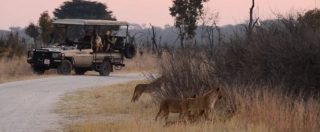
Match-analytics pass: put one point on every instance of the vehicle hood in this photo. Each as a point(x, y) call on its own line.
point(53, 49)
point(57, 49)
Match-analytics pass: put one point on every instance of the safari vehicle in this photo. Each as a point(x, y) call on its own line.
point(74, 54)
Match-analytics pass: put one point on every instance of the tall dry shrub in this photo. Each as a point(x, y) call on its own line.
point(280, 52)
point(14, 68)
point(186, 74)
point(275, 110)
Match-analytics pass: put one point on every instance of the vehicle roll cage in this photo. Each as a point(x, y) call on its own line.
point(96, 24)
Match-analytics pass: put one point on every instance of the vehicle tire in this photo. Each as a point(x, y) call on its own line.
point(105, 68)
point(38, 70)
point(130, 51)
point(65, 67)
point(80, 71)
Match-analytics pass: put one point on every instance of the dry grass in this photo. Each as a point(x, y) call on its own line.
point(145, 63)
point(277, 112)
point(17, 68)
point(109, 109)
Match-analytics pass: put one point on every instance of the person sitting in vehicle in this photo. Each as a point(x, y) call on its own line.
point(86, 41)
point(109, 41)
point(68, 42)
point(97, 45)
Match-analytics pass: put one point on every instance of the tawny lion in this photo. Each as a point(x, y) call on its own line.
point(190, 107)
point(146, 88)
point(168, 106)
point(204, 104)
point(139, 90)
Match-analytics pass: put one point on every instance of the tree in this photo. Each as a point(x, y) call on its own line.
point(83, 9)
point(209, 27)
point(311, 18)
point(252, 22)
point(186, 14)
point(33, 31)
point(45, 24)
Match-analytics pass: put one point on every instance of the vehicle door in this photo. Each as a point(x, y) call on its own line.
point(83, 58)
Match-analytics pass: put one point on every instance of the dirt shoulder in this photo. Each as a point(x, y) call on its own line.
point(29, 105)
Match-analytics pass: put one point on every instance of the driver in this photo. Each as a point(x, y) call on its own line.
point(109, 41)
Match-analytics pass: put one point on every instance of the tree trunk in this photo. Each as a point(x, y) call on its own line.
point(182, 41)
point(35, 43)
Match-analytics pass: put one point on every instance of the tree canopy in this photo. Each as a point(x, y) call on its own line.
point(33, 31)
point(45, 24)
point(83, 9)
point(311, 18)
point(186, 14)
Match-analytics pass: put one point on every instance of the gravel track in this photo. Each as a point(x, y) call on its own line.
point(27, 106)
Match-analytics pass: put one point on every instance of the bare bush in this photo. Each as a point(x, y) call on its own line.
point(186, 74)
point(12, 46)
point(281, 52)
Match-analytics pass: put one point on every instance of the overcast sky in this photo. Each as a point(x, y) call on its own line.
point(22, 12)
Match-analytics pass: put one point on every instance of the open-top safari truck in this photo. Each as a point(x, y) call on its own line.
point(69, 51)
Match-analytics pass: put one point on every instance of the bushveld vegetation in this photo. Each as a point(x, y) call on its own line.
point(270, 81)
point(270, 77)
point(11, 45)
point(14, 69)
point(269, 73)
point(13, 65)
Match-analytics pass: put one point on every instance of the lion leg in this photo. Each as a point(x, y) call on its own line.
point(160, 111)
point(138, 91)
point(134, 96)
point(183, 115)
point(166, 115)
point(138, 95)
point(207, 115)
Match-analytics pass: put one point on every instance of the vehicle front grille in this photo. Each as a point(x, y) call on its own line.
point(38, 57)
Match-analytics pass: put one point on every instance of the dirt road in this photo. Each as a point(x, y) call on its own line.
point(27, 106)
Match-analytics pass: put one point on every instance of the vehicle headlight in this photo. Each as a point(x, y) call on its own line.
point(56, 55)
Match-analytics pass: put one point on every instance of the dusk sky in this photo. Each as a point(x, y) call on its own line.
point(22, 12)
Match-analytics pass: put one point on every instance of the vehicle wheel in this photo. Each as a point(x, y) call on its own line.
point(65, 67)
point(105, 68)
point(80, 71)
point(38, 70)
point(130, 51)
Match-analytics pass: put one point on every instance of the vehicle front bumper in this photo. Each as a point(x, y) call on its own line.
point(46, 63)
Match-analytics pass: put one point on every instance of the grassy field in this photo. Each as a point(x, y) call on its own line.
point(145, 63)
point(109, 109)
